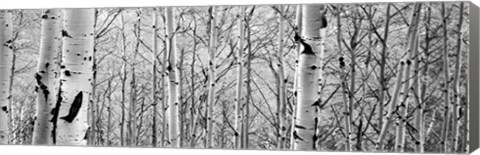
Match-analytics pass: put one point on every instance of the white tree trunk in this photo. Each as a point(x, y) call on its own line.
point(306, 114)
point(240, 63)
point(154, 78)
point(76, 77)
point(6, 57)
point(50, 46)
point(281, 76)
point(212, 77)
point(173, 85)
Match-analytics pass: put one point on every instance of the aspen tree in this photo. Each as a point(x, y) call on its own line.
point(240, 63)
point(281, 76)
point(172, 72)
point(246, 107)
point(133, 83)
point(306, 115)
point(154, 78)
point(6, 57)
point(402, 73)
point(164, 83)
point(212, 75)
point(419, 122)
point(445, 124)
point(124, 81)
point(382, 68)
point(344, 85)
point(456, 85)
point(298, 30)
point(75, 78)
point(50, 46)
point(405, 96)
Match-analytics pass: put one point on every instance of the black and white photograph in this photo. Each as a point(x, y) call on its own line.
point(352, 77)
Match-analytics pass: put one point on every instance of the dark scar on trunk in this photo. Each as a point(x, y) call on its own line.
point(300, 127)
point(295, 136)
point(74, 108)
point(54, 112)
point(4, 108)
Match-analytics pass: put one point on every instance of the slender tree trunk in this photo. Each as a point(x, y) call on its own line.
point(420, 123)
point(383, 83)
point(164, 83)
point(154, 78)
point(408, 80)
point(298, 30)
point(344, 84)
point(403, 74)
point(75, 78)
point(306, 115)
point(46, 76)
point(181, 116)
point(212, 75)
point(92, 117)
point(246, 106)
point(456, 85)
point(124, 83)
point(6, 57)
point(173, 76)
point(240, 63)
point(445, 124)
point(281, 76)
point(133, 84)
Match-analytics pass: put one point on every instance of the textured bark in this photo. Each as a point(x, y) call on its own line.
point(173, 76)
point(46, 76)
point(456, 85)
point(124, 82)
point(446, 110)
point(248, 68)
point(240, 63)
point(164, 83)
point(282, 87)
point(306, 115)
point(75, 78)
point(6, 57)
point(405, 95)
point(212, 76)
point(298, 30)
point(154, 78)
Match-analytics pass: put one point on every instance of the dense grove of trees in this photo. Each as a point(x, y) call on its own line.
point(343, 77)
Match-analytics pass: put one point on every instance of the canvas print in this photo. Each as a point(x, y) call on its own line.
point(362, 77)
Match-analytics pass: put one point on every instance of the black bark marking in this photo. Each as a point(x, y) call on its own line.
point(300, 127)
point(313, 67)
point(295, 136)
point(65, 34)
point(67, 73)
point(42, 86)
point(55, 111)
point(44, 16)
point(315, 136)
point(62, 66)
point(74, 108)
point(86, 133)
point(47, 64)
point(4, 108)
point(307, 48)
